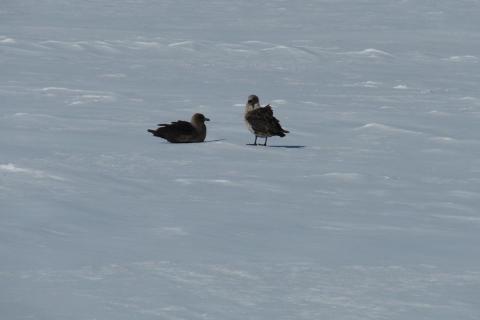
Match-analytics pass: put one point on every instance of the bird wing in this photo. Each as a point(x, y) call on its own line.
point(180, 127)
point(267, 110)
point(263, 121)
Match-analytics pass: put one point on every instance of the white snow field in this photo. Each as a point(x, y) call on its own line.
point(368, 209)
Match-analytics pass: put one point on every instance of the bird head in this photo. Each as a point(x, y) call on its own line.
point(199, 118)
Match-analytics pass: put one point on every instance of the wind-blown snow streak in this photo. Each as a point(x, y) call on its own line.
point(386, 128)
point(370, 53)
point(11, 168)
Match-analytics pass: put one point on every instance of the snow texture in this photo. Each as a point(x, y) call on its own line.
point(368, 209)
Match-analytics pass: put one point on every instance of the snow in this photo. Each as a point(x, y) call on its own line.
point(367, 209)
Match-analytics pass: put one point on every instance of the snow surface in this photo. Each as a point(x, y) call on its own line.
point(368, 209)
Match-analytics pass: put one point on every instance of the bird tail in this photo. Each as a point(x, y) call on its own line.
point(152, 131)
point(281, 132)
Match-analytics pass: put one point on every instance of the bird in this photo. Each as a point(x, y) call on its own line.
point(260, 120)
point(183, 131)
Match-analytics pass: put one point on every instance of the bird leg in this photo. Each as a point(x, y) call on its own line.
point(255, 143)
point(265, 144)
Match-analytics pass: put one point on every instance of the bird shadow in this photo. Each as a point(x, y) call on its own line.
point(289, 146)
point(280, 146)
point(216, 140)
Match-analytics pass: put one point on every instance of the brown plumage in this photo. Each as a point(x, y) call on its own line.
point(183, 131)
point(260, 120)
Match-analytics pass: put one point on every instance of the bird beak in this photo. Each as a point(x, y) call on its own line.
point(206, 119)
